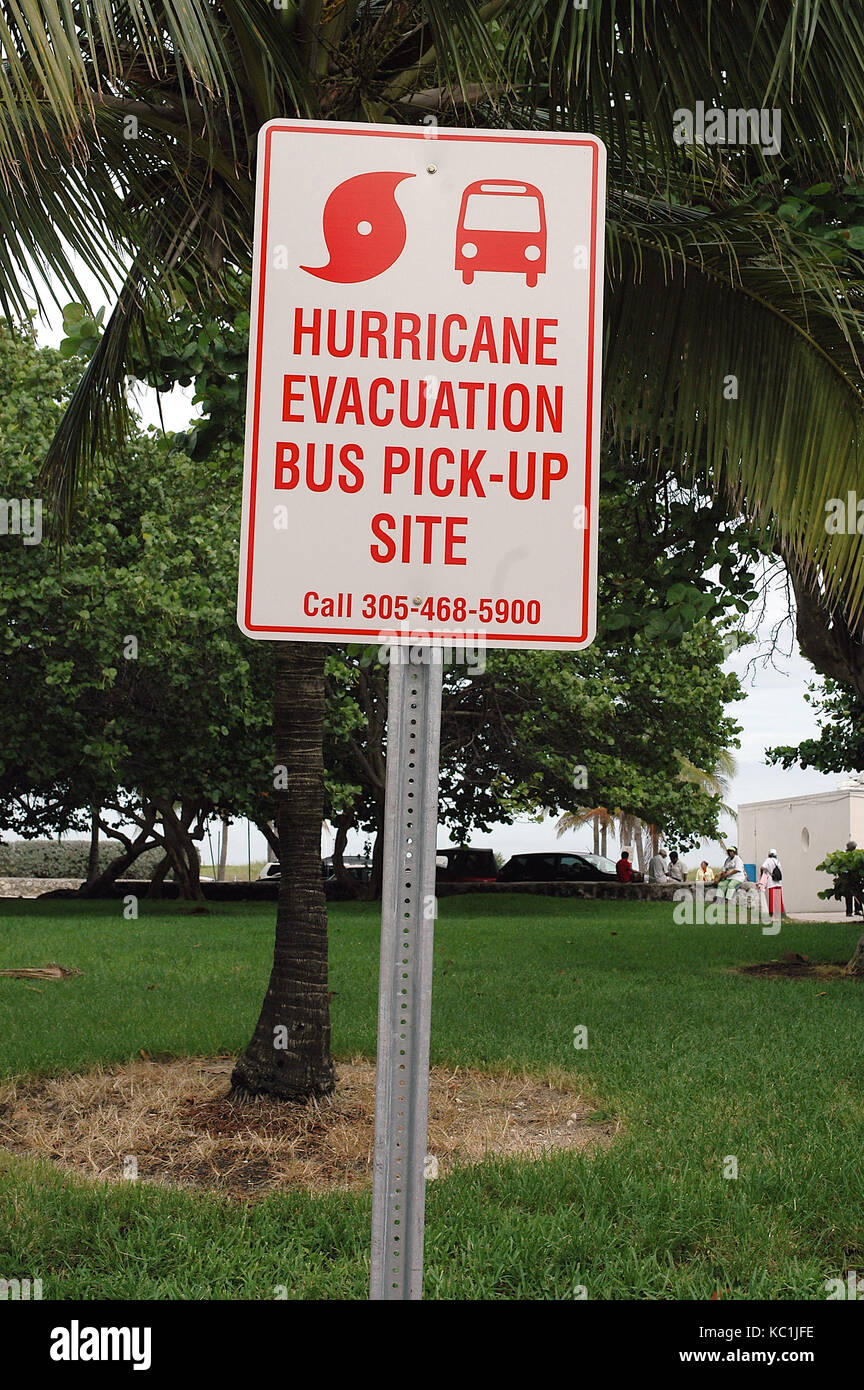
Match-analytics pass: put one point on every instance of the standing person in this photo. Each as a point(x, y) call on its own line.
point(732, 874)
point(624, 869)
point(768, 883)
point(854, 905)
point(657, 867)
point(677, 872)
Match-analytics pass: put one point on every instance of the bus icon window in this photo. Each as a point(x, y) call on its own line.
point(502, 226)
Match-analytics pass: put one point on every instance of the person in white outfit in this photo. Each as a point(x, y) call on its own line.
point(768, 882)
point(766, 871)
point(657, 868)
point(677, 871)
point(732, 874)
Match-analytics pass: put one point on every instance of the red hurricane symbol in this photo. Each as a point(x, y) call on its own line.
point(363, 227)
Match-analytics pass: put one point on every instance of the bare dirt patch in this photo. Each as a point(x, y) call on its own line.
point(182, 1127)
point(795, 966)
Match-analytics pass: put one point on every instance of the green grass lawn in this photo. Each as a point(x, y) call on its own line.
point(699, 1063)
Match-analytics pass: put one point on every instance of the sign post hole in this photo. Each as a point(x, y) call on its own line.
point(421, 474)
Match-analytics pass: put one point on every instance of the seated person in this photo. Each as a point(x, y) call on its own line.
point(657, 868)
point(732, 874)
point(676, 872)
point(624, 869)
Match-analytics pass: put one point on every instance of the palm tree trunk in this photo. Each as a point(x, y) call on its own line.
point(637, 835)
point(289, 1054)
point(596, 825)
point(223, 851)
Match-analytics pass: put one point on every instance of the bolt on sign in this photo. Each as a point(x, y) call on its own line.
point(423, 409)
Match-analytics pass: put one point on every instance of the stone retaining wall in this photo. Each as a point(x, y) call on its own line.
point(35, 887)
point(268, 892)
point(650, 892)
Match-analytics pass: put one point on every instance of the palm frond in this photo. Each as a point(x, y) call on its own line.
point(698, 294)
point(622, 68)
point(735, 354)
point(222, 69)
point(95, 423)
point(574, 820)
point(714, 781)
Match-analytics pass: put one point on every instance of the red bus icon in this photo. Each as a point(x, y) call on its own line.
point(502, 226)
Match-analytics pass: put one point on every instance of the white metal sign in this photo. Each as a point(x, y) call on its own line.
point(423, 407)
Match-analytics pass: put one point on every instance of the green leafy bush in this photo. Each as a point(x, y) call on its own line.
point(66, 859)
point(847, 868)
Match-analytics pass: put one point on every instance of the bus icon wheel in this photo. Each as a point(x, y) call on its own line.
point(468, 277)
point(531, 280)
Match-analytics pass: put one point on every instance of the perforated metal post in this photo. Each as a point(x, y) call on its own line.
point(405, 989)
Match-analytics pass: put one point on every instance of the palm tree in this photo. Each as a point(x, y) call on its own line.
point(598, 817)
point(292, 1036)
point(715, 782)
point(127, 145)
point(630, 828)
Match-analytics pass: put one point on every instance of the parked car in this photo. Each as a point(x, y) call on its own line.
point(606, 866)
point(544, 868)
point(357, 868)
point(465, 865)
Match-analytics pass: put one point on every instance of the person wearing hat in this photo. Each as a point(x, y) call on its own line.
point(657, 867)
point(732, 874)
point(768, 882)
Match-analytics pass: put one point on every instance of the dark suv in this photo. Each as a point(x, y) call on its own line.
point(465, 866)
point(545, 868)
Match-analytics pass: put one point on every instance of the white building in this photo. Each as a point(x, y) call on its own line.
point(803, 830)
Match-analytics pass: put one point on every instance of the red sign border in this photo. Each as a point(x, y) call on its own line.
point(402, 133)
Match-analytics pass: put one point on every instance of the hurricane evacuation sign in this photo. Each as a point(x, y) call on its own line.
point(423, 406)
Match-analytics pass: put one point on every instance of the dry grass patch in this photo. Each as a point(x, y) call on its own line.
point(178, 1121)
